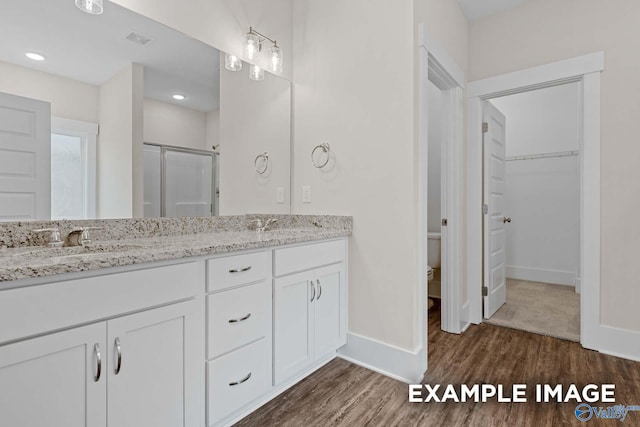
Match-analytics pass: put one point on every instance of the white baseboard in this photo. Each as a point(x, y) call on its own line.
point(619, 342)
point(386, 359)
point(554, 277)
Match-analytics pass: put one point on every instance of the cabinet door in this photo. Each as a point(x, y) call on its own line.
point(156, 368)
point(292, 325)
point(328, 313)
point(53, 380)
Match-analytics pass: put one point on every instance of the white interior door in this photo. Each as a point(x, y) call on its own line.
point(25, 158)
point(494, 139)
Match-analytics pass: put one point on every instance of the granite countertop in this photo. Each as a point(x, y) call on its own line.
point(32, 262)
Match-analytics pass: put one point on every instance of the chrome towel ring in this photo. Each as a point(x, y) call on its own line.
point(326, 149)
point(264, 159)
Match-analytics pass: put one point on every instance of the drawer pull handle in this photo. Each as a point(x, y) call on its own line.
point(319, 289)
point(96, 350)
point(242, 319)
point(118, 356)
point(244, 380)
point(242, 270)
point(313, 288)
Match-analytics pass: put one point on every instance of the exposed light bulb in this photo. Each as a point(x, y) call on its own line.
point(256, 73)
point(276, 59)
point(232, 62)
point(251, 46)
point(35, 56)
point(179, 97)
point(94, 7)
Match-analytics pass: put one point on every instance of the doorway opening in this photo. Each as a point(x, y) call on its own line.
point(585, 72)
point(531, 212)
point(440, 92)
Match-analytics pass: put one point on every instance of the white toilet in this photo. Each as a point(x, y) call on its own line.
point(433, 253)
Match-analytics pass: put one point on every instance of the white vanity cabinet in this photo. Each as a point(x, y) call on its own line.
point(130, 370)
point(196, 343)
point(309, 307)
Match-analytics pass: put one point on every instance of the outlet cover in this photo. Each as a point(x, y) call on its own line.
point(306, 194)
point(280, 195)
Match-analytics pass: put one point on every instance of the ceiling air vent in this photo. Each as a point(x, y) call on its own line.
point(138, 38)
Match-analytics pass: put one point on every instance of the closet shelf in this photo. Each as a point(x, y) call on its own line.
point(543, 155)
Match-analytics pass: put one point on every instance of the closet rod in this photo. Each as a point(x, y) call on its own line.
point(544, 155)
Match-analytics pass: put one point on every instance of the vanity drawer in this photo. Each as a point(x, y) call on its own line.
point(307, 257)
point(237, 270)
point(236, 379)
point(238, 317)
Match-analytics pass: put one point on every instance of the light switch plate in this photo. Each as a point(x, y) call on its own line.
point(280, 195)
point(306, 194)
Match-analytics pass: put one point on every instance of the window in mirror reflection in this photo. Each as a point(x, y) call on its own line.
point(72, 175)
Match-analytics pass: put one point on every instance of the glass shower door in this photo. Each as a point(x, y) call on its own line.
point(188, 183)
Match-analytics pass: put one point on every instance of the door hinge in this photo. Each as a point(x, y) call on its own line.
point(485, 209)
point(485, 127)
point(485, 291)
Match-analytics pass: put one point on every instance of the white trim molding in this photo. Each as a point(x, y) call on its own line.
point(536, 77)
point(386, 359)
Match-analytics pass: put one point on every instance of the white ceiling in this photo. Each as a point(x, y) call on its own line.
point(476, 9)
point(92, 49)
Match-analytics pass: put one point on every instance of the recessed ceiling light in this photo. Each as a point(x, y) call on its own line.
point(35, 56)
point(94, 7)
point(179, 97)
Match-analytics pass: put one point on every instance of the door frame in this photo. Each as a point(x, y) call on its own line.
point(586, 70)
point(437, 66)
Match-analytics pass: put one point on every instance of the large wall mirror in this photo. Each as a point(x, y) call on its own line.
point(118, 116)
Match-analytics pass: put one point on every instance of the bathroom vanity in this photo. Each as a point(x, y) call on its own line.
point(187, 330)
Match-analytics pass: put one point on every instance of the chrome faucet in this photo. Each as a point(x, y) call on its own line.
point(262, 228)
point(54, 240)
point(80, 236)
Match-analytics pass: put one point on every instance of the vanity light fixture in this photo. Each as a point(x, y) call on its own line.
point(35, 56)
point(94, 7)
point(179, 97)
point(256, 73)
point(232, 62)
point(253, 47)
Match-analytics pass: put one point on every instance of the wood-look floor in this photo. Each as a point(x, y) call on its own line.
point(343, 394)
